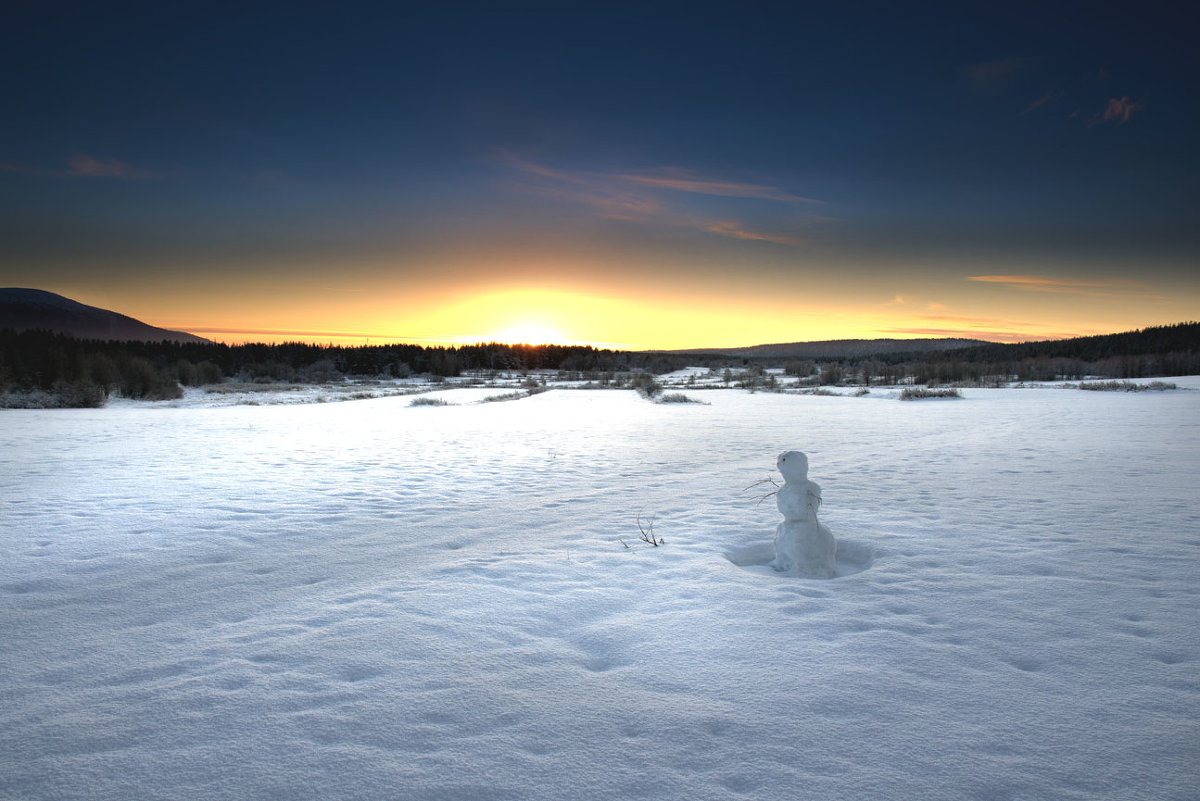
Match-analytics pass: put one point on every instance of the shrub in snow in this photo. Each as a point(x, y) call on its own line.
point(504, 396)
point(648, 534)
point(536, 389)
point(1125, 386)
point(427, 402)
point(802, 545)
point(676, 397)
point(917, 393)
point(143, 381)
point(645, 384)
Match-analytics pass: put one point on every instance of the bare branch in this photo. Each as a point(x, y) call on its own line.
point(762, 498)
point(648, 532)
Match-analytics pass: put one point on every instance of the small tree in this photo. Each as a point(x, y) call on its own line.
point(831, 374)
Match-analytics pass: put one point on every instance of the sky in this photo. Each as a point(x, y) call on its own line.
point(642, 175)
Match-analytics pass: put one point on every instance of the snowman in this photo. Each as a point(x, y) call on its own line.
point(802, 545)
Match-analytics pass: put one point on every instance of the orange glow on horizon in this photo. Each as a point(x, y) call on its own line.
point(453, 307)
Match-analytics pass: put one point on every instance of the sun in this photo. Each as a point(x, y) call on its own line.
point(530, 334)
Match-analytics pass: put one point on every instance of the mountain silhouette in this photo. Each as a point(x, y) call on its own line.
point(35, 309)
point(836, 348)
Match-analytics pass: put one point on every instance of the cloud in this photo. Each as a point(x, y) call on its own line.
point(1118, 110)
point(733, 229)
point(281, 332)
point(1038, 103)
point(683, 182)
point(1045, 283)
point(646, 198)
point(81, 165)
point(990, 329)
point(991, 77)
point(85, 166)
point(613, 205)
point(981, 333)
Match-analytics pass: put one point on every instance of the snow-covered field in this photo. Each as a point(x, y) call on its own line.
point(372, 600)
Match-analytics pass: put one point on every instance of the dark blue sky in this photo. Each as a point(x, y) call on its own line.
point(865, 162)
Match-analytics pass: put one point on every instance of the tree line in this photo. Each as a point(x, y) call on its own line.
point(59, 370)
point(78, 372)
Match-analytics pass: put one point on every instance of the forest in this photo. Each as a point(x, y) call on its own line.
point(43, 368)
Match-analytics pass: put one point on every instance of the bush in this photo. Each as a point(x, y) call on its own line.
point(831, 374)
point(506, 396)
point(321, 372)
point(1125, 386)
point(208, 373)
point(427, 402)
point(141, 380)
point(918, 393)
point(80, 395)
point(645, 384)
point(676, 397)
point(61, 396)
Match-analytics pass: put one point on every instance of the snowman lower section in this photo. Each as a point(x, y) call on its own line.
point(805, 548)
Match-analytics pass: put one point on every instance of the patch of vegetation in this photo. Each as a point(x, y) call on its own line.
point(676, 397)
point(1126, 386)
point(646, 385)
point(428, 402)
point(921, 393)
point(62, 396)
point(647, 534)
point(536, 389)
point(505, 396)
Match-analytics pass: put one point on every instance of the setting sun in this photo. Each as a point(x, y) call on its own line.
point(530, 333)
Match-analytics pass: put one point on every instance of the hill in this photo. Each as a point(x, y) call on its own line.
point(835, 348)
point(37, 310)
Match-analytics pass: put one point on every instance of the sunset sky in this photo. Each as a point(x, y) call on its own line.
point(642, 175)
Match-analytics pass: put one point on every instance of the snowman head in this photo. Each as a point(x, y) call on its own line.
point(793, 465)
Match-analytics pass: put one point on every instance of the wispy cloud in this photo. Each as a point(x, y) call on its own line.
point(990, 329)
point(81, 165)
point(1045, 283)
point(990, 77)
point(645, 198)
point(684, 182)
point(1039, 102)
point(308, 334)
point(244, 334)
point(1118, 109)
point(989, 335)
point(908, 300)
point(737, 231)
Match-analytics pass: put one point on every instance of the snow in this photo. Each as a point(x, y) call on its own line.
point(368, 600)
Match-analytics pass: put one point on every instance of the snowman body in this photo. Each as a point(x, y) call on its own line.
point(802, 545)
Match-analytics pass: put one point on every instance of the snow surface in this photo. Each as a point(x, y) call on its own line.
point(370, 600)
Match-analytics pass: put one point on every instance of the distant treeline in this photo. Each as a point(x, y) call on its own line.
point(1157, 351)
point(86, 372)
point(42, 368)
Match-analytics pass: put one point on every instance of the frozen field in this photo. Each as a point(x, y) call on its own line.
point(370, 600)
